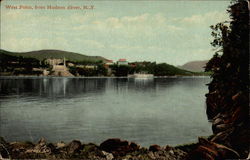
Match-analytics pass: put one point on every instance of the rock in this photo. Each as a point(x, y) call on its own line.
point(118, 147)
point(217, 121)
point(4, 153)
point(42, 147)
point(167, 148)
point(134, 146)
point(52, 147)
point(118, 150)
point(74, 146)
point(60, 145)
point(238, 115)
point(220, 127)
point(248, 157)
point(42, 141)
point(21, 146)
point(92, 149)
point(151, 155)
point(236, 96)
point(154, 148)
point(220, 137)
point(223, 126)
point(171, 152)
point(3, 142)
point(210, 151)
point(109, 156)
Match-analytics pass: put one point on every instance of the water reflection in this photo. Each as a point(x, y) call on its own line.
point(70, 87)
point(160, 110)
point(50, 87)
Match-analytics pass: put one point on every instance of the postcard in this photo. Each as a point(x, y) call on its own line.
point(124, 79)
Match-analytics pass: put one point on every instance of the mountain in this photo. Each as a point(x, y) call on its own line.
point(44, 54)
point(195, 66)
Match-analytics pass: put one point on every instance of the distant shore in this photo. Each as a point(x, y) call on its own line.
point(35, 76)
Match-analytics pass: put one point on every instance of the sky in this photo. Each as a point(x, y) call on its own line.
point(174, 32)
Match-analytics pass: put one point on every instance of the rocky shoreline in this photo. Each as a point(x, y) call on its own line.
point(111, 149)
point(114, 149)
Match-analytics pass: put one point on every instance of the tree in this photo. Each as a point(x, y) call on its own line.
point(121, 70)
point(101, 70)
point(227, 99)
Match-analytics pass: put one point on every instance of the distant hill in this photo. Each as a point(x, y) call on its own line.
point(44, 54)
point(195, 66)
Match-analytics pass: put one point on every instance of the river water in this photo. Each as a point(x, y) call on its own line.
point(147, 111)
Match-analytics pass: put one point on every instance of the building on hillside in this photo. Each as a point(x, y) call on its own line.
point(122, 62)
point(88, 66)
point(54, 61)
point(70, 64)
point(59, 68)
point(143, 64)
point(108, 63)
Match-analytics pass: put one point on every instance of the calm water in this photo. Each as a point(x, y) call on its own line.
point(157, 111)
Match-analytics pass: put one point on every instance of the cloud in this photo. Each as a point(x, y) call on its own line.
point(126, 47)
point(25, 44)
point(131, 26)
point(203, 19)
point(93, 44)
point(137, 48)
point(158, 36)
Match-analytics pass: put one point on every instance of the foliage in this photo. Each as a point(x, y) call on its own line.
point(220, 33)
point(19, 64)
point(121, 70)
point(213, 63)
point(85, 62)
point(99, 70)
point(228, 97)
point(162, 69)
point(232, 41)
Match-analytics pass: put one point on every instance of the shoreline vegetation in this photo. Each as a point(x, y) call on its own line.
point(61, 64)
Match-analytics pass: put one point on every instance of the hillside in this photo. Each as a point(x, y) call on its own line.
point(44, 54)
point(25, 59)
point(163, 69)
point(195, 66)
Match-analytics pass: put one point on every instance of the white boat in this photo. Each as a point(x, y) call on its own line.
point(139, 75)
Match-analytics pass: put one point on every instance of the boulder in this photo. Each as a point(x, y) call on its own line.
point(154, 148)
point(41, 147)
point(118, 147)
point(74, 146)
point(210, 151)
